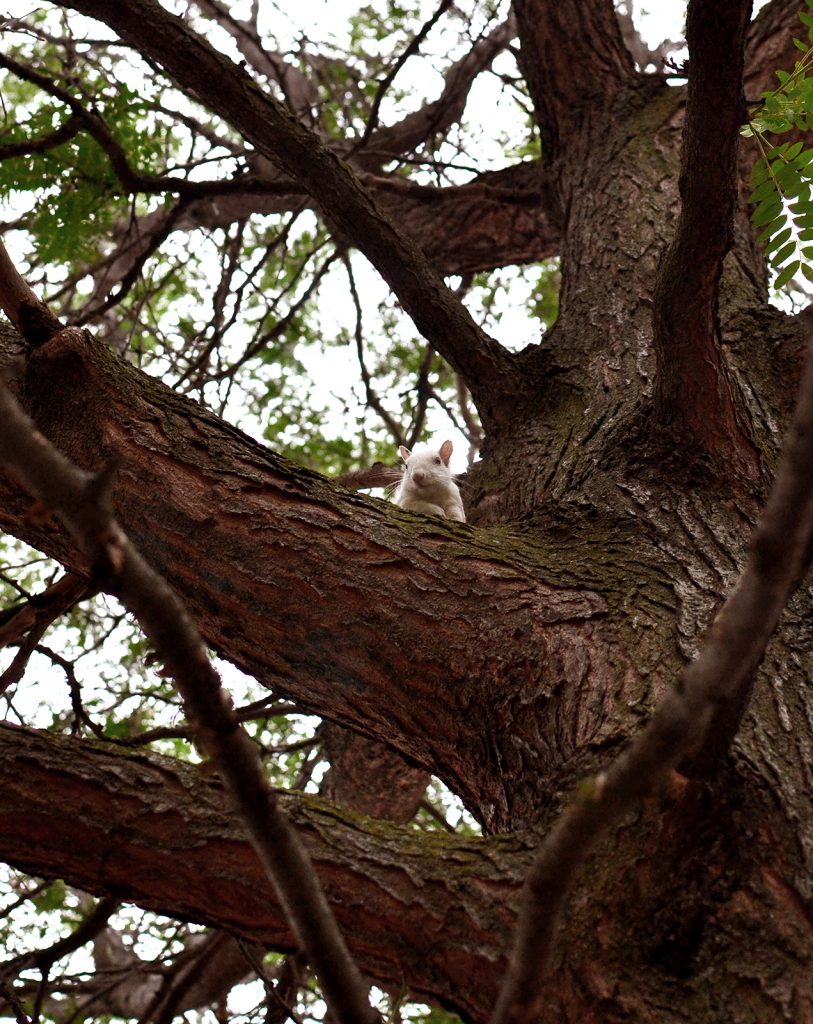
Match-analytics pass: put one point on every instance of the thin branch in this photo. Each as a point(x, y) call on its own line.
point(435, 118)
point(30, 623)
point(424, 394)
point(180, 980)
point(7, 993)
point(150, 245)
point(54, 601)
point(195, 65)
point(694, 724)
point(95, 125)
point(387, 80)
point(301, 95)
point(373, 401)
point(82, 502)
point(30, 316)
point(68, 130)
point(44, 959)
point(256, 346)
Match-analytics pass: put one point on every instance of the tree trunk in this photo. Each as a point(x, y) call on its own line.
point(510, 657)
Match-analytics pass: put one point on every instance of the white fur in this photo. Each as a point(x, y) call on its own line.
point(427, 484)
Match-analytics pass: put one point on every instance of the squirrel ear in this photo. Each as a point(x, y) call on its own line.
point(446, 451)
point(405, 453)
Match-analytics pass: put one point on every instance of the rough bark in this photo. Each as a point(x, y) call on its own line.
point(670, 905)
point(509, 657)
point(149, 830)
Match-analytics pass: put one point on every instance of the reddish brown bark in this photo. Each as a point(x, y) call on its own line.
point(511, 657)
point(151, 831)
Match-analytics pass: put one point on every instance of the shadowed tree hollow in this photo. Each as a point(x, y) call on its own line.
point(236, 223)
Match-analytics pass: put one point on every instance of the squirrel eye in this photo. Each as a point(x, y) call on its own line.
point(437, 461)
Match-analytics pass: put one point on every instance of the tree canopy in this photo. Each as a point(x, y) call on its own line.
point(278, 749)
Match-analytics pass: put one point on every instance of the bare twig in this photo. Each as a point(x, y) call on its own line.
point(43, 959)
point(30, 623)
point(387, 80)
point(7, 993)
point(424, 393)
point(67, 130)
point(373, 400)
point(46, 607)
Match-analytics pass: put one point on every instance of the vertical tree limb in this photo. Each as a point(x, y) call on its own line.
point(693, 401)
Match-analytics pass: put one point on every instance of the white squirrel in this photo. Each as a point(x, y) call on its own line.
point(427, 484)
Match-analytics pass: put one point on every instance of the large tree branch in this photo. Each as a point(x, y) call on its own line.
point(692, 395)
point(345, 622)
point(152, 831)
point(224, 87)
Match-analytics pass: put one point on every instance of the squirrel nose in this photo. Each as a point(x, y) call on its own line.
point(419, 477)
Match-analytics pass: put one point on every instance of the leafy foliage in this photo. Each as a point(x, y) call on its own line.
point(782, 177)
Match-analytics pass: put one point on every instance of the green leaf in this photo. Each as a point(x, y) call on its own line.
point(778, 240)
point(776, 152)
point(770, 230)
point(759, 173)
point(786, 275)
point(784, 254)
point(807, 271)
point(766, 211)
point(762, 191)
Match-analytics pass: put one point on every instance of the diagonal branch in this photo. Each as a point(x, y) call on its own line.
point(44, 959)
point(96, 126)
point(228, 89)
point(693, 726)
point(692, 396)
point(26, 625)
point(437, 116)
point(83, 503)
point(413, 47)
point(301, 95)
